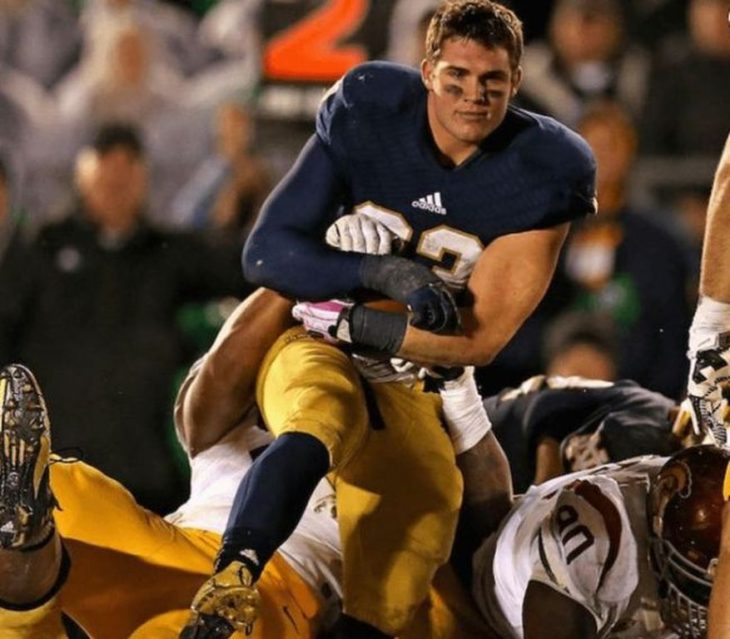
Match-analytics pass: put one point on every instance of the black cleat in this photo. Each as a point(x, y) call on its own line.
point(26, 501)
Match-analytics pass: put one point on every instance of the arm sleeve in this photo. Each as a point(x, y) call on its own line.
point(286, 250)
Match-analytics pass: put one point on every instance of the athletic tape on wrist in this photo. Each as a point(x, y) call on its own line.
point(466, 418)
point(711, 321)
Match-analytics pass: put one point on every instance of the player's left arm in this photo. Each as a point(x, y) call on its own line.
point(709, 335)
point(483, 465)
point(718, 615)
point(220, 390)
point(508, 282)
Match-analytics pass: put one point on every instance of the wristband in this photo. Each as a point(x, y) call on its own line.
point(466, 418)
point(369, 327)
point(710, 323)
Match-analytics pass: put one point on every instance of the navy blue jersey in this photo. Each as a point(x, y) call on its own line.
point(532, 172)
point(635, 421)
point(373, 153)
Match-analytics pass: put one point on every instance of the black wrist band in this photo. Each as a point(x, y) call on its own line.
point(395, 277)
point(376, 329)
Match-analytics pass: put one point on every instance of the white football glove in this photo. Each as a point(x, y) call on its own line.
point(359, 233)
point(709, 373)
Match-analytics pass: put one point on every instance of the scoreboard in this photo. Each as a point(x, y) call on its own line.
point(309, 44)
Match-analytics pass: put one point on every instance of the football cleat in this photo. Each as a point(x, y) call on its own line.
point(226, 603)
point(26, 501)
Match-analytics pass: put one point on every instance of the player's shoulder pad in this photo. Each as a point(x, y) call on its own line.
point(372, 87)
point(586, 547)
point(568, 153)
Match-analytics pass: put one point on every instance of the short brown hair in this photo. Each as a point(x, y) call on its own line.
point(488, 23)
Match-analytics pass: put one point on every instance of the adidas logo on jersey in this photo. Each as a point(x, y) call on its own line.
point(430, 203)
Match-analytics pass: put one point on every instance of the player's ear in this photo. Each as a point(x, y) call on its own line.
point(426, 71)
point(516, 81)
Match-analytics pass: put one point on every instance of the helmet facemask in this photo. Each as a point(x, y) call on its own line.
point(685, 506)
point(684, 590)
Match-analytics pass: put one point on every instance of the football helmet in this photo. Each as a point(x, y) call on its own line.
point(685, 507)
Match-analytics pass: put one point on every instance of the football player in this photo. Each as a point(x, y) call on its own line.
point(709, 353)
point(120, 571)
point(73, 540)
point(481, 195)
point(709, 335)
point(622, 550)
point(552, 425)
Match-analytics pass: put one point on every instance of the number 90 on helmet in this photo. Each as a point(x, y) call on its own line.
point(685, 507)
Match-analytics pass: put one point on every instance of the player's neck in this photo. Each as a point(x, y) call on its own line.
point(450, 150)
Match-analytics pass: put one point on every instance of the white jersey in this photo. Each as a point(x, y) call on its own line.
point(215, 475)
point(585, 535)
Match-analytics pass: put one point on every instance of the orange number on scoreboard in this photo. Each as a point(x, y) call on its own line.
point(308, 51)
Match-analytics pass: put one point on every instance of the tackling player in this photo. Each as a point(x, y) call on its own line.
point(120, 571)
point(481, 195)
point(622, 550)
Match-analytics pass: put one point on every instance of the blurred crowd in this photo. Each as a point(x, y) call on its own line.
point(139, 138)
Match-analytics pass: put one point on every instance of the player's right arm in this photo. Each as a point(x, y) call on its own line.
point(709, 336)
point(715, 277)
point(718, 614)
point(508, 281)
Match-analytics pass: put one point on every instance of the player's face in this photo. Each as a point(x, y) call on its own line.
point(469, 89)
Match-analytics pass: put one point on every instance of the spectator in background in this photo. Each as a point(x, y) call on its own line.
point(39, 38)
point(230, 32)
point(124, 75)
point(409, 17)
point(174, 28)
point(231, 27)
point(12, 251)
point(689, 97)
point(98, 298)
point(583, 345)
point(229, 187)
point(625, 263)
point(586, 57)
point(127, 76)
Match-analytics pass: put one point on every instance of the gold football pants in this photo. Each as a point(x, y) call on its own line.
point(398, 488)
point(134, 574)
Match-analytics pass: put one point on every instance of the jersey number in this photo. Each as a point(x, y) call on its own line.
point(309, 51)
point(441, 244)
point(573, 533)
